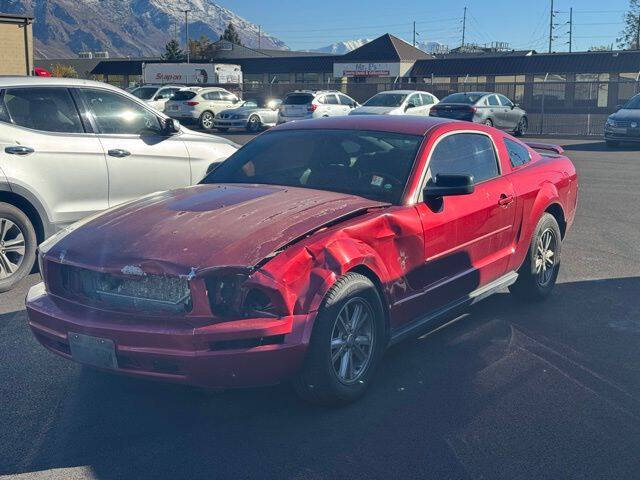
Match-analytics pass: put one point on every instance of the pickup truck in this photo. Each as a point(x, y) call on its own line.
point(307, 253)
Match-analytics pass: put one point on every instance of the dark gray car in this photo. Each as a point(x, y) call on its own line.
point(624, 125)
point(490, 108)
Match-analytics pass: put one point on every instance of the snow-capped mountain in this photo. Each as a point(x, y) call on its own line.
point(340, 48)
point(62, 28)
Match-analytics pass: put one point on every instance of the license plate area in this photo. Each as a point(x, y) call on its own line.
point(95, 351)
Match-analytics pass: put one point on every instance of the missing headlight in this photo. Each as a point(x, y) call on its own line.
point(224, 293)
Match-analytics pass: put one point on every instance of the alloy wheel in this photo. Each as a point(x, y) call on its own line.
point(254, 123)
point(12, 248)
point(352, 340)
point(545, 257)
point(207, 120)
point(522, 126)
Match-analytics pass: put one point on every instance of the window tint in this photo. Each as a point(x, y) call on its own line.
point(46, 109)
point(116, 114)
point(298, 99)
point(166, 93)
point(426, 99)
point(227, 97)
point(344, 100)
point(518, 154)
point(464, 154)
point(493, 101)
point(330, 99)
point(505, 101)
point(415, 100)
point(211, 96)
point(182, 95)
point(144, 93)
point(468, 98)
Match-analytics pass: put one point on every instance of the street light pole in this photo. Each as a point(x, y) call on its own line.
point(186, 34)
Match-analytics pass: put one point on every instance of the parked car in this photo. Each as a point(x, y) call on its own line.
point(70, 148)
point(397, 102)
point(155, 95)
point(624, 125)
point(305, 104)
point(200, 104)
point(307, 253)
point(492, 109)
point(251, 115)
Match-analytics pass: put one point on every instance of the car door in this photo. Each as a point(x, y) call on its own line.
point(468, 238)
point(495, 111)
point(347, 103)
point(140, 158)
point(49, 150)
point(428, 101)
point(413, 105)
point(332, 106)
point(511, 116)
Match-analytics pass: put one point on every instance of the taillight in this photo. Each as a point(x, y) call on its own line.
point(312, 107)
point(472, 109)
point(192, 104)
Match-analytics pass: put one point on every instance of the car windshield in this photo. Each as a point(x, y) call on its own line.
point(468, 98)
point(144, 93)
point(370, 164)
point(182, 95)
point(386, 100)
point(633, 104)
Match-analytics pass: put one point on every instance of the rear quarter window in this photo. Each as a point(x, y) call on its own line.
point(518, 154)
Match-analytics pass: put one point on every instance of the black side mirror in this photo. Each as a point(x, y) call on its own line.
point(619, 107)
point(513, 105)
point(449, 185)
point(171, 126)
point(409, 105)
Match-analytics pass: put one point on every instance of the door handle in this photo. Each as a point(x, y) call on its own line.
point(505, 200)
point(118, 152)
point(18, 150)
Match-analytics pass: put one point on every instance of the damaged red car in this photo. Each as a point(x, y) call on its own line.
point(307, 253)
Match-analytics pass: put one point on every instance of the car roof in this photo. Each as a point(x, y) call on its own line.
point(407, 124)
point(23, 81)
point(401, 91)
point(476, 93)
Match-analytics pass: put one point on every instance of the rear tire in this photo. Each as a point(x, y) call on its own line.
point(537, 275)
point(522, 127)
point(207, 120)
point(488, 122)
point(18, 243)
point(347, 342)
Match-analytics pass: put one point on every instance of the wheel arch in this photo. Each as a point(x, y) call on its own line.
point(557, 211)
point(31, 209)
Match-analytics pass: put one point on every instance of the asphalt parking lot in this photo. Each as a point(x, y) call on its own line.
point(511, 391)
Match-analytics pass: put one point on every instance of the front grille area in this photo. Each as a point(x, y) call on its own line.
point(152, 293)
point(622, 123)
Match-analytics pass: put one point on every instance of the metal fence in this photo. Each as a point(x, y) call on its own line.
point(562, 108)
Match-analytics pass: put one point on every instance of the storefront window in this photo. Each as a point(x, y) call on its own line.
point(254, 78)
point(279, 78)
point(592, 89)
point(550, 89)
point(628, 86)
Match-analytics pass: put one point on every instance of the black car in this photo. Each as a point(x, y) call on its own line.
point(624, 125)
point(490, 108)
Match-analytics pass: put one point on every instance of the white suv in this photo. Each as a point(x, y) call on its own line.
point(303, 104)
point(200, 104)
point(155, 95)
point(398, 102)
point(71, 148)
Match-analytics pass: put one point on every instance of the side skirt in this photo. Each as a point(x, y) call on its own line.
point(430, 321)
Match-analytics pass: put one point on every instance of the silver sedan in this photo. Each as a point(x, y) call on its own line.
point(250, 115)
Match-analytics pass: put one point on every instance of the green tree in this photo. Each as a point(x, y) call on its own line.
point(64, 71)
point(201, 48)
point(231, 34)
point(630, 36)
point(172, 51)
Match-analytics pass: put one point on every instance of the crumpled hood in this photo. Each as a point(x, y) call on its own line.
point(193, 228)
point(373, 110)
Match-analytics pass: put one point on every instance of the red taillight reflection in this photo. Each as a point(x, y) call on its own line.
point(312, 107)
point(192, 104)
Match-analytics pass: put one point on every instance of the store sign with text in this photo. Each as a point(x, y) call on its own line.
point(366, 70)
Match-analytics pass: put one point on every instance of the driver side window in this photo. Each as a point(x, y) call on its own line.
point(464, 154)
point(115, 114)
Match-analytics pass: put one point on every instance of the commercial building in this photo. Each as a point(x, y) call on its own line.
point(16, 44)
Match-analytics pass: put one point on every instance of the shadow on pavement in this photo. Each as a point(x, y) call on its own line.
point(547, 390)
point(601, 147)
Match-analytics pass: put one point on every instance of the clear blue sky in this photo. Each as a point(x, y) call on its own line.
point(306, 24)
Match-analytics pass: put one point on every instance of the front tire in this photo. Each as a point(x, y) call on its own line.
point(18, 243)
point(488, 122)
point(254, 124)
point(346, 345)
point(522, 127)
point(537, 275)
point(207, 120)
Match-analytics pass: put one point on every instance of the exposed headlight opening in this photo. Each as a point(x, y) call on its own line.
point(230, 297)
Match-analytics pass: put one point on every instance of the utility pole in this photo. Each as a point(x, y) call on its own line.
point(186, 34)
point(464, 25)
point(414, 33)
point(551, 15)
point(570, 28)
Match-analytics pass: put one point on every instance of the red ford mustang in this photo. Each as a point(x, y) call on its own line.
point(307, 253)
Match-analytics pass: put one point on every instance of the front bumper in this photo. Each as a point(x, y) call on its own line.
point(622, 134)
point(226, 354)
